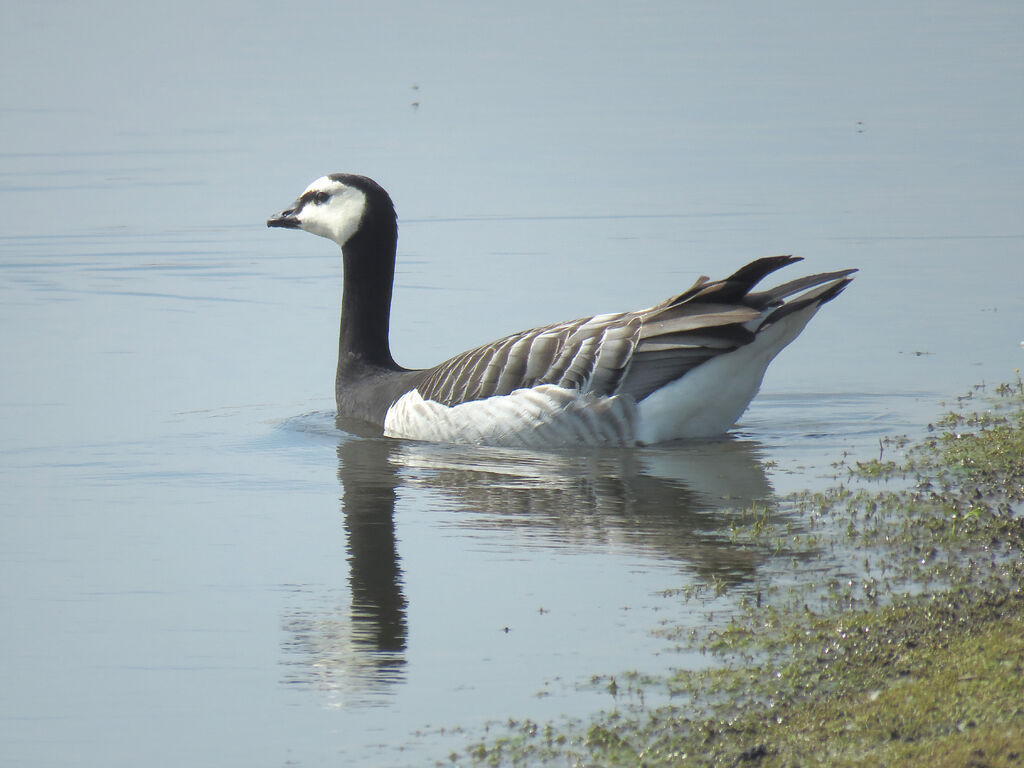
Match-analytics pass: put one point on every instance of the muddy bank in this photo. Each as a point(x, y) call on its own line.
point(912, 651)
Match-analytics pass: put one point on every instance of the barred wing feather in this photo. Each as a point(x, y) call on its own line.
point(630, 353)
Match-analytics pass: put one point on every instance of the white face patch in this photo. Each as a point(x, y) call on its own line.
point(335, 216)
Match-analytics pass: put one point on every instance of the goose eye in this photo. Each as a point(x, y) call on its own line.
point(320, 197)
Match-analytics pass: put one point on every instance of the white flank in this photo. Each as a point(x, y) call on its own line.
point(546, 416)
point(709, 399)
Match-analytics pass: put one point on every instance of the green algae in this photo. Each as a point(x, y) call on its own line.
point(914, 652)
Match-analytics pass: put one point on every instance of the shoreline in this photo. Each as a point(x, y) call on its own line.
point(915, 652)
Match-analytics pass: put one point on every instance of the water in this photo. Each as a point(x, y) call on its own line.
point(199, 568)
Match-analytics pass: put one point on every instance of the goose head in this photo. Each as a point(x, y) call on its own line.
point(336, 207)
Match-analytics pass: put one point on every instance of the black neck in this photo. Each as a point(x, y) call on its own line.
point(369, 264)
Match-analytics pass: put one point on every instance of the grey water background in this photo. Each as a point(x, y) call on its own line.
point(199, 568)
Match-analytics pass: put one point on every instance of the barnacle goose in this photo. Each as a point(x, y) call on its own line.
point(687, 367)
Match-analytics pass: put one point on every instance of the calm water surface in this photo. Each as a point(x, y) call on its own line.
point(200, 568)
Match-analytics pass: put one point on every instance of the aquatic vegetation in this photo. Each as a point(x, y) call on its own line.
point(909, 650)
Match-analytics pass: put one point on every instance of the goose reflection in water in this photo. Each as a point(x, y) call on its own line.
point(674, 503)
point(357, 656)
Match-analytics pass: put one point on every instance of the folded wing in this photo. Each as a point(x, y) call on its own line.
point(631, 353)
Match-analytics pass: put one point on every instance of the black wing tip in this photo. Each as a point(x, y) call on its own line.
point(838, 287)
point(815, 297)
point(758, 269)
point(736, 286)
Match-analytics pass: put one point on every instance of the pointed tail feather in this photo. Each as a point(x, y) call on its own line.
point(776, 294)
point(818, 296)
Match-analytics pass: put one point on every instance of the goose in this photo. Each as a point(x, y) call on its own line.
point(687, 367)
